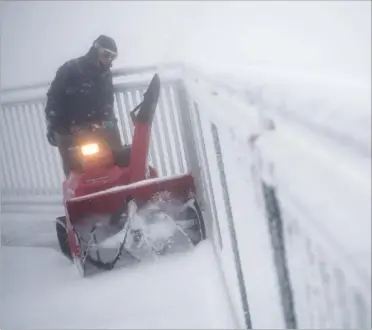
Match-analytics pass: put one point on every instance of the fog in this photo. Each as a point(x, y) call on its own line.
point(326, 37)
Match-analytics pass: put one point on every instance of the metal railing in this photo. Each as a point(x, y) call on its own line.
point(31, 169)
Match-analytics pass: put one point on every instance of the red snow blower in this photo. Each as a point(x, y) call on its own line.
point(117, 209)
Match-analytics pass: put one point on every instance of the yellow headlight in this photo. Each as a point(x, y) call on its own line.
point(89, 149)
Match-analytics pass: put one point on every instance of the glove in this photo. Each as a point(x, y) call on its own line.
point(51, 138)
point(109, 122)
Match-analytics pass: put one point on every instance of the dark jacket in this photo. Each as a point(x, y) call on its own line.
point(81, 91)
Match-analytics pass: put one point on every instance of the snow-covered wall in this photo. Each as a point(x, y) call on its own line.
point(241, 236)
point(317, 161)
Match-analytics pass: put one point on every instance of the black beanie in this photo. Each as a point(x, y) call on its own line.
point(106, 42)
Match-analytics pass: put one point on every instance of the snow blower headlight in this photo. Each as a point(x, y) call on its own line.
point(90, 149)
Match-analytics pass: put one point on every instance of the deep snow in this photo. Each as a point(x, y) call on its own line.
point(42, 289)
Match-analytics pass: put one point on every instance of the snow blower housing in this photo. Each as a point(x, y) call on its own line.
point(117, 209)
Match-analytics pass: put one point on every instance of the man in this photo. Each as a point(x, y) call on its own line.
point(82, 92)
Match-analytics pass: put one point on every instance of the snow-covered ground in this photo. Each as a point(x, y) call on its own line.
point(40, 289)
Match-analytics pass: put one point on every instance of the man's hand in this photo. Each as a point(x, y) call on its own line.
point(51, 138)
point(110, 124)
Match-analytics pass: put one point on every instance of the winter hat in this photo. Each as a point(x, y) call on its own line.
point(106, 42)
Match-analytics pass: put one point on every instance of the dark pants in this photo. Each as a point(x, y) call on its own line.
point(64, 142)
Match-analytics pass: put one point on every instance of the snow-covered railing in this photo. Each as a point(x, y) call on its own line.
point(286, 195)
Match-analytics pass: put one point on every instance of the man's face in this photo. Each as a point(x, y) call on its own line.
point(106, 56)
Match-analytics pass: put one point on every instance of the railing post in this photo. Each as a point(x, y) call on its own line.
point(232, 232)
point(275, 224)
point(191, 152)
point(276, 232)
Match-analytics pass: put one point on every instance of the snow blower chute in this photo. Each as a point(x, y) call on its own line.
point(117, 209)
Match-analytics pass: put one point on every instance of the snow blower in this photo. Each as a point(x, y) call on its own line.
point(117, 209)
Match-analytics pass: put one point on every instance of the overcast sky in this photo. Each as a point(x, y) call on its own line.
point(331, 37)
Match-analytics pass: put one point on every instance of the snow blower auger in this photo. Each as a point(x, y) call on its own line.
point(117, 210)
